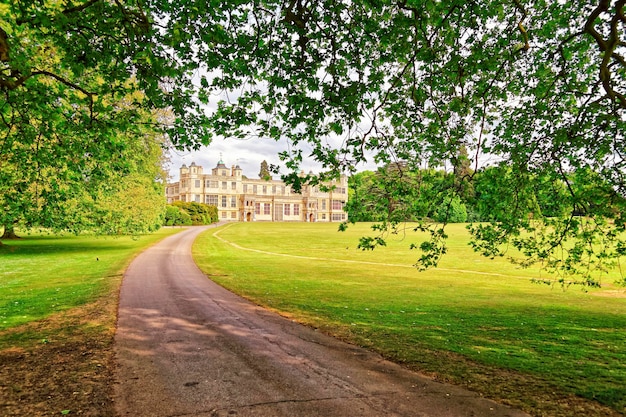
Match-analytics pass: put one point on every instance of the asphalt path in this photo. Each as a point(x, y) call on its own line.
point(187, 347)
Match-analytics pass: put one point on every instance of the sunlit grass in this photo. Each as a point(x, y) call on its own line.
point(41, 275)
point(472, 309)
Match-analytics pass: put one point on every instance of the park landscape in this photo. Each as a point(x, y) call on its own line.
point(475, 322)
point(510, 115)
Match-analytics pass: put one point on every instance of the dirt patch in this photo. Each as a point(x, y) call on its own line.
point(69, 378)
point(61, 365)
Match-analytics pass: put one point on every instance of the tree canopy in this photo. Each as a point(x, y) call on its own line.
point(537, 87)
point(83, 112)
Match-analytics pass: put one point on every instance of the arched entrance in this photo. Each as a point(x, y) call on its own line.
point(311, 217)
point(248, 217)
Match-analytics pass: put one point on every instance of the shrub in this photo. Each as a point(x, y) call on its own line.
point(191, 213)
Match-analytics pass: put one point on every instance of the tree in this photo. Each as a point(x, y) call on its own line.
point(81, 92)
point(452, 210)
point(395, 194)
point(264, 173)
point(538, 86)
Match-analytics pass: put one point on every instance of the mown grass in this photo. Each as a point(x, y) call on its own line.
point(43, 275)
point(58, 309)
point(473, 321)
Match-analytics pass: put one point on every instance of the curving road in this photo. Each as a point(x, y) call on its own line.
point(187, 347)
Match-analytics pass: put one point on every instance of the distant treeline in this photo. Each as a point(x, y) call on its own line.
point(401, 194)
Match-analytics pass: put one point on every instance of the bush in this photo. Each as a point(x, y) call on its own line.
point(175, 216)
point(190, 213)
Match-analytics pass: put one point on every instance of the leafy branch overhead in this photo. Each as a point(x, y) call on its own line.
point(535, 89)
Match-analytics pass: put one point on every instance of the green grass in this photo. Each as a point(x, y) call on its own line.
point(58, 310)
point(466, 321)
point(41, 275)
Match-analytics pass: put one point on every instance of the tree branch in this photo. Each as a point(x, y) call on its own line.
point(608, 46)
point(80, 8)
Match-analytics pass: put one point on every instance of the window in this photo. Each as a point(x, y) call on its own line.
point(296, 209)
point(233, 185)
point(287, 209)
point(323, 204)
point(267, 208)
point(245, 188)
point(223, 214)
point(233, 215)
point(197, 198)
point(265, 189)
point(233, 201)
point(197, 183)
point(224, 201)
point(273, 189)
point(337, 217)
point(254, 189)
point(211, 199)
point(337, 205)
point(214, 184)
point(257, 208)
point(323, 216)
point(223, 185)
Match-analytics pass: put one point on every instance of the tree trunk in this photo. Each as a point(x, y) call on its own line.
point(9, 232)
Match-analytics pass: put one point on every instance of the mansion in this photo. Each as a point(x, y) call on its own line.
point(238, 198)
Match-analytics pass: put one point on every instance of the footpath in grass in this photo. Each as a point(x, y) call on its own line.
point(475, 322)
point(58, 306)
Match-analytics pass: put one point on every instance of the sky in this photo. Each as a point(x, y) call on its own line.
point(247, 153)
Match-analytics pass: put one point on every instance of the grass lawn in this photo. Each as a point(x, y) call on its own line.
point(58, 308)
point(473, 321)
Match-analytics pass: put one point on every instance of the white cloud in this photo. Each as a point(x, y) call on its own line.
point(248, 154)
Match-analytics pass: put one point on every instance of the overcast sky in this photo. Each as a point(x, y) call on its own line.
point(248, 154)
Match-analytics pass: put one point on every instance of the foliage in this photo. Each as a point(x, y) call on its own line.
point(199, 213)
point(395, 194)
point(264, 172)
point(539, 87)
point(134, 202)
point(537, 213)
point(85, 106)
point(452, 210)
point(176, 216)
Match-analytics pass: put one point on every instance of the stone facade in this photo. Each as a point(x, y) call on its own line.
point(238, 198)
